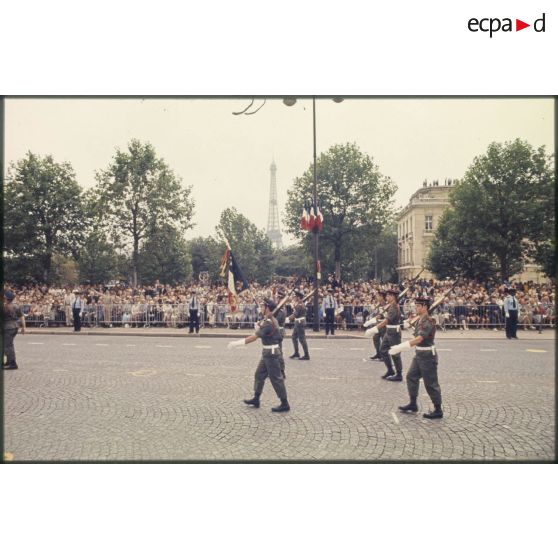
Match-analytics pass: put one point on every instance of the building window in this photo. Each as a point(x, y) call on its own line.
point(428, 219)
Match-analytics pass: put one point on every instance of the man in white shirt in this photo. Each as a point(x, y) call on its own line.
point(194, 309)
point(511, 309)
point(329, 305)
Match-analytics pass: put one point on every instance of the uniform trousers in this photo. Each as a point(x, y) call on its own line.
point(425, 366)
point(194, 321)
point(391, 338)
point(299, 334)
point(9, 349)
point(270, 366)
point(511, 324)
point(330, 321)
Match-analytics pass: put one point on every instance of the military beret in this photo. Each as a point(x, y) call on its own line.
point(424, 300)
point(393, 292)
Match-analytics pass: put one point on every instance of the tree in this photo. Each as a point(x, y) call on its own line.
point(139, 193)
point(454, 254)
point(43, 214)
point(498, 212)
point(292, 261)
point(354, 198)
point(206, 254)
point(165, 257)
point(251, 246)
point(98, 261)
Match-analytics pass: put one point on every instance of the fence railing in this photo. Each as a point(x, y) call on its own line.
point(245, 315)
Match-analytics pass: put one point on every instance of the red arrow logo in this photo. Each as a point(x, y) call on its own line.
point(519, 25)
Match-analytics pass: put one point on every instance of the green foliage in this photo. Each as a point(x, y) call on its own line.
point(98, 261)
point(43, 215)
point(251, 246)
point(504, 203)
point(292, 261)
point(355, 200)
point(165, 256)
point(139, 194)
point(206, 254)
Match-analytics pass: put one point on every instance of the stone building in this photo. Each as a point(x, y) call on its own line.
point(416, 224)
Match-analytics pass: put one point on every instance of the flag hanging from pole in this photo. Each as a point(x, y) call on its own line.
point(236, 283)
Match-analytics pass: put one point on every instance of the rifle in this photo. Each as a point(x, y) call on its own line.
point(305, 298)
point(383, 309)
point(283, 301)
point(436, 303)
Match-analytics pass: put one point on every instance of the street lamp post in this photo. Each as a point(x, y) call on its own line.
point(290, 101)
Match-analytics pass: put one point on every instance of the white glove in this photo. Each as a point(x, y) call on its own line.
point(406, 324)
point(370, 322)
point(256, 326)
point(371, 332)
point(507, 315)
point(396, 349)
point(235, 343)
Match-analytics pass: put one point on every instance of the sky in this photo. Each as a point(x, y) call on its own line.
point(226, 158)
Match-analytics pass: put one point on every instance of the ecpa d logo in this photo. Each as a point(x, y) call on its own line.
point(492, 25)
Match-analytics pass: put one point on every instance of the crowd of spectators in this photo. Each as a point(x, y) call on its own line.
point(469, 305)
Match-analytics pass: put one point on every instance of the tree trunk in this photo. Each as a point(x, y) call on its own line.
point(47, 266)
point(338, 262)
point(135, 262)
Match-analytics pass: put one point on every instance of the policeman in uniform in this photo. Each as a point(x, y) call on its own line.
point(299, 333)
point(425, 363)
point(391, 338)
point(11, 314)
point(511, 309)
point(281, 316)
point(194, 309)
point(375, 318)
point(269, 365)
point(329, 306)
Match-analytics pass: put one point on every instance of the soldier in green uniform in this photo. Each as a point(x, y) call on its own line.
point(377, 316)
point(281, 316)
point(425, 363)
point(299, 334)
point(11, 313)
point(269, 365)
point(392, 337)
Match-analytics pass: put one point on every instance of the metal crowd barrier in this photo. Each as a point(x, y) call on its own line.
point(245, 315)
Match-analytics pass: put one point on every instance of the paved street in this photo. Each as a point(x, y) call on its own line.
point(155, 398)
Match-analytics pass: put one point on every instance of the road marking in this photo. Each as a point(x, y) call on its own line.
point(101, 345)
point(317, 348)
point(535, 350)
point(395, 417)
point(487, 381)
point(8, 456)
point(35, 343)
point(165, 346)
point(60, 370)
point(328, 378)
point(446, 350)
point(355, 349)
point(488, 350)
point(203, 346)
point(190, 374)
point(143, 373)
point(69, 344)
point(130, 345)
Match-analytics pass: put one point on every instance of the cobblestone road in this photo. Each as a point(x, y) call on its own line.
point(109, 398)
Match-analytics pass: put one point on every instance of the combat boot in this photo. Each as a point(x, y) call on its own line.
point(305, 357)
point(295, 355)
point(11, 366)
point(435, 414)
point(282, 408)
point(376, 357)
point(409, 408)
point(388, 374)
point(396, 378)
point(255, 401)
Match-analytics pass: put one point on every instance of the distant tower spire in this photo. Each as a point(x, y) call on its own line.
point(273, 228)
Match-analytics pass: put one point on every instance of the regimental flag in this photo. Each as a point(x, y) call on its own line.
point(312, 219)
point(319, 219)
point(236, 283)
point(304, 219)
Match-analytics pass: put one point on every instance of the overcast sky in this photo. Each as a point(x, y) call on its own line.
point(226, 158)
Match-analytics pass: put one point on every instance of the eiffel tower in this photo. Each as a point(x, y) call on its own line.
point(273, 228)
